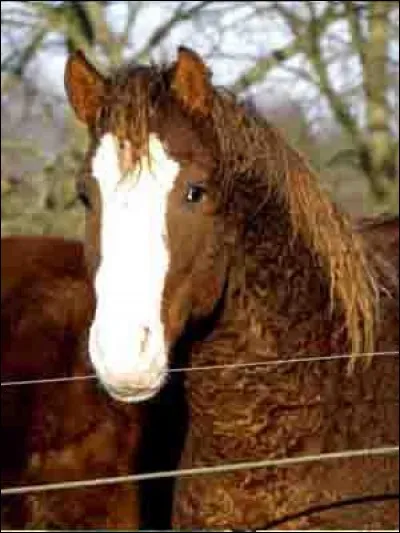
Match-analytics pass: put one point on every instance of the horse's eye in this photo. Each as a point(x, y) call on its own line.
point(195, 193)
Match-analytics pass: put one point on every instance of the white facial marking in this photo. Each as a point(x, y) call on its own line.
point(126, 342)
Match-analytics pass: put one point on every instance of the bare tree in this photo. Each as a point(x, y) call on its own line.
point(378, 149)
point(84, 25)
point(369, 28)
point(344, 51)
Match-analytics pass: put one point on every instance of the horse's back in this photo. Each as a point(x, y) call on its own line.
point(32, 257)
point(46, 303)
point(385, 223)
point(382, 235)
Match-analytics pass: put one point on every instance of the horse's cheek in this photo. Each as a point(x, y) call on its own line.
point(206, 293)
point(177, 311)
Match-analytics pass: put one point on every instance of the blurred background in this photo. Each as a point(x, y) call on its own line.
point(326, 73)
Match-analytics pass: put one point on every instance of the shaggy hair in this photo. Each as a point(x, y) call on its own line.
point(257, 168)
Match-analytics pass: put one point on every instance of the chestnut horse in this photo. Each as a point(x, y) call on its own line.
point(209, 239)
point(55, 432)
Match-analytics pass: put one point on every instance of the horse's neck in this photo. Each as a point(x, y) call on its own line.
point(281, 305)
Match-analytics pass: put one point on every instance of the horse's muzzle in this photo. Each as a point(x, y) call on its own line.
point(130, 392)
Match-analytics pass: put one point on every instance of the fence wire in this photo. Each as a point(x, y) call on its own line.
point(227, 366)
point(345, 502)
point(204, 470)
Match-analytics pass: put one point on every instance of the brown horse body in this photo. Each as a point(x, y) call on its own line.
point(55, 432)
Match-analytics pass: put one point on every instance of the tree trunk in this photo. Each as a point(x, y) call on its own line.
point(378, 152)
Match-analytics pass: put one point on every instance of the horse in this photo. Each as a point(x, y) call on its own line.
point(383, 236)
point(63, 431)
point(211, 243)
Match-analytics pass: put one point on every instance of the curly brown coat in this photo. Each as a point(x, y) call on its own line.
point(299, 282)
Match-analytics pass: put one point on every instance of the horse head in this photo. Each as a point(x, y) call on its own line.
point(183, 186)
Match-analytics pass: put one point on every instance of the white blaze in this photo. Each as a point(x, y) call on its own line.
point(126, 343)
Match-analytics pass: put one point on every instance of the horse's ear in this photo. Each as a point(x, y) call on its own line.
point(84, 86)
point(191, 82)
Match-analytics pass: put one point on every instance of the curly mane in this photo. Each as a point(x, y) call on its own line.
point(256, 166)
point(253, 148)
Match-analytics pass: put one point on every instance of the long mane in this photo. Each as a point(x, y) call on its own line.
point(255, 162)
point(254, 148)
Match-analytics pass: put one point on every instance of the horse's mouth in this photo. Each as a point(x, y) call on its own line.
point(130, 394)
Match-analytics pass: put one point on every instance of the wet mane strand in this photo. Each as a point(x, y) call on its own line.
point(255, 160)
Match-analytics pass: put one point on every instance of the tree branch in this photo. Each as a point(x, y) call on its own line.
point(16, 64)
point(357, 37)
point(178, 16)
point(298, 45)
point(133, 11)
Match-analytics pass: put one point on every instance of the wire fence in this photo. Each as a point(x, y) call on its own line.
point(320, 508)
point(205, 368)
point(388, 450)
point(204, 470)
